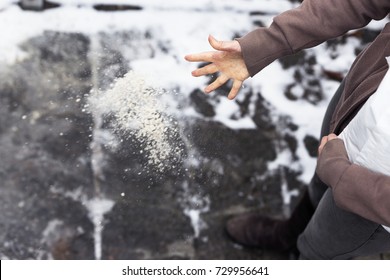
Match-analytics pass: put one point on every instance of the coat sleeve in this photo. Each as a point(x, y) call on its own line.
point(355, 188)
point(308, 25)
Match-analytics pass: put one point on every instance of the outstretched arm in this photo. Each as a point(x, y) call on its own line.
point(308, 25)
point(227, 60)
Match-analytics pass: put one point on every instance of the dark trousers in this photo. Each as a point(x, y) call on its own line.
point(332, 232)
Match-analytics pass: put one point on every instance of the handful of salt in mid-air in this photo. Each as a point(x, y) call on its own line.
point(136, 108)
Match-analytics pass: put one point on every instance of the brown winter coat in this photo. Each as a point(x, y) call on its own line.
point(355, 188)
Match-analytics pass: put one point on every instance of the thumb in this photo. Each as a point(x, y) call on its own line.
point(222, 45)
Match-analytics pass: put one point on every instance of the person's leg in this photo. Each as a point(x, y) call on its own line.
point(257, 230)
point(333, 233)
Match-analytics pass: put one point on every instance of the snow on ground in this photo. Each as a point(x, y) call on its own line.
point(185, 25)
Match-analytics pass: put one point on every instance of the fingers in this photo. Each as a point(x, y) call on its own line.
point(235, 89)
point(209, 56)
point(224, 56)
point(325, 140)
point(199, 57)
point(332, 136)
point(224, 45)
point(205, 70)
point(216, 84)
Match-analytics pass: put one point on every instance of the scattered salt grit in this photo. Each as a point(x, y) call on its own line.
point(137, 109)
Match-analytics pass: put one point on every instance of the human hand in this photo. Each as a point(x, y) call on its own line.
point(325, 140)
point(332, 160)
point(227, 60)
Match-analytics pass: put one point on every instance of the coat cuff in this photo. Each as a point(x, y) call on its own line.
point(263, 46)
point(333, 162)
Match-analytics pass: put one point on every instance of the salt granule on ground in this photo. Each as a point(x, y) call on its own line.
point(138, 111)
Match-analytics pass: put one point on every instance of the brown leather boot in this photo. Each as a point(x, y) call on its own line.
point(254, 230)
